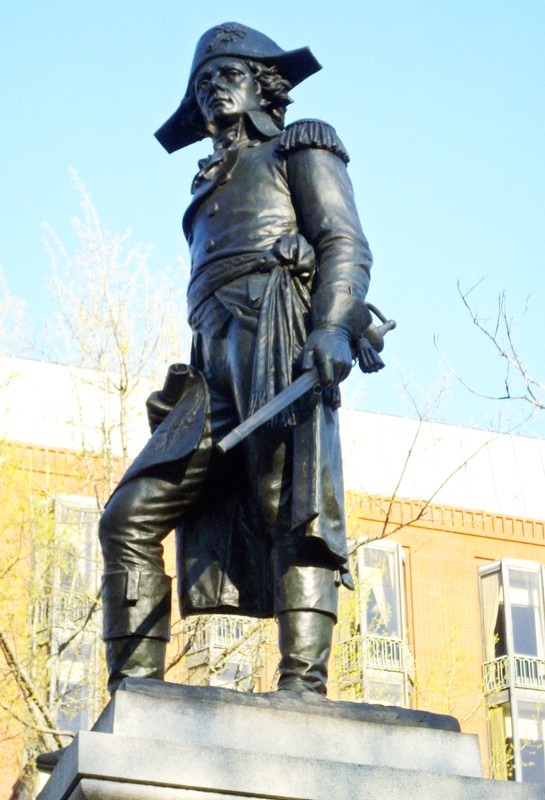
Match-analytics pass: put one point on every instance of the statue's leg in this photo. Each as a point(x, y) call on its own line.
point(135, 589)
point(136, 624)
point(304, 571)
point(304, 640)
point(136, 593)
point(306, 610)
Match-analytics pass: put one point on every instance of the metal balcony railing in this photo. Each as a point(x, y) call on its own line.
point(348, 656)
point(529, 672)
point(496, 675)
point(219, 632)
point(523, 672)
point(383, 653)
point(373, 652)
point(66, 610)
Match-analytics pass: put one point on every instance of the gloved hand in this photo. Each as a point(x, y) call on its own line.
point(157, 410)
point(328, 348)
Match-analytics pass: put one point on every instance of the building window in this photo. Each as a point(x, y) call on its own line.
point(223, 650)
point(65, 618)
point(513, 629)
point(372, 658)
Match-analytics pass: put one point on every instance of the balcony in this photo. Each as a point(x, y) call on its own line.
point(218, 632)
point(375, 652)
point(383, 653)
point(377, 669)
point(522, 672)
point(68, 611)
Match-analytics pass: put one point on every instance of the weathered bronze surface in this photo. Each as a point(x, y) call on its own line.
point(279, 275)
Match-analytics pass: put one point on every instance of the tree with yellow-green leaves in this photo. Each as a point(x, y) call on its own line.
point(117, 325)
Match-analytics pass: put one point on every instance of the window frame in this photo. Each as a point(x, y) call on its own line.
point(359, 640)
point(512, 692)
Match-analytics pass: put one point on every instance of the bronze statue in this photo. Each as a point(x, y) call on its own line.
point(279, 275)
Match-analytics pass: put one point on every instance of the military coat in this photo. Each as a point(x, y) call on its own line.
point(271, 216)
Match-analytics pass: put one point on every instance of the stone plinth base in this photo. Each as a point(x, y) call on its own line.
point(158, 741)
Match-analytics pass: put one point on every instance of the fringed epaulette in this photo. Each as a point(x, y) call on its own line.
point(312, 133)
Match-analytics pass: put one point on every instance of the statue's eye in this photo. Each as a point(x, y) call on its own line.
point(233, 74)
point(202, 83)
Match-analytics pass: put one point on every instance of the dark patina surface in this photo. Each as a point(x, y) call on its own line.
point(279, 275)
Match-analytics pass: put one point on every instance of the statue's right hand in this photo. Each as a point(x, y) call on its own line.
point(157, 410)
point(328, 348)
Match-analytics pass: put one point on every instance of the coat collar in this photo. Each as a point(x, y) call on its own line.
point(214, 171)
point(217, 168)
point(263, 124)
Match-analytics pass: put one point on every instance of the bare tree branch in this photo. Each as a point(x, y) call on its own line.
point(92, 609)
point(29, 691)
point(217, 664)
point(502, 336)
point(34, 727)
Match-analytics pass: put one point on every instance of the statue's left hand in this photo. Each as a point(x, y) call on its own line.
point(328, 349)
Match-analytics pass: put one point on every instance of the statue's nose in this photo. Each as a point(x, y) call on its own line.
point(216, 82)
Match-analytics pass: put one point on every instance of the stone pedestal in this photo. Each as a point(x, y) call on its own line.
point(160, 741)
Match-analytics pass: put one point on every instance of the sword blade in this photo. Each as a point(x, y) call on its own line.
point(307, 381)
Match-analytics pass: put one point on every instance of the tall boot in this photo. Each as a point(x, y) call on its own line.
point(136, 608)
point(134, 657)
point(304, 639)
point(306, 611)
point(136, 611)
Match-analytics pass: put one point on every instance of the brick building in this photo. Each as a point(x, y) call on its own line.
point(447, 547)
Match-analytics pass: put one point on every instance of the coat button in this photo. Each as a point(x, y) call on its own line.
point(213, 210)
point(210, 246)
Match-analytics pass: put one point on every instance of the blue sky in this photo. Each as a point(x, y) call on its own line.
point(441, 106)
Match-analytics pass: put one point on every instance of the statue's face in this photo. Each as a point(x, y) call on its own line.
point(225, 88)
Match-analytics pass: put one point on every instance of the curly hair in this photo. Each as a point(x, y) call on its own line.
point(274, 89)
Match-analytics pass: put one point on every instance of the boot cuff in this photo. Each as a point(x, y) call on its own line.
point(305, 589)
point(136, 603)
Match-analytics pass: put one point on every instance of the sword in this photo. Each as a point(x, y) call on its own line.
point(307, 381)
point(367, 354)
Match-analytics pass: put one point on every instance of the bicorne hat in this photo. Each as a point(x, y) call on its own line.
point(231, 39)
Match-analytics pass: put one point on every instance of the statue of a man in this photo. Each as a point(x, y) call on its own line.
point(279, 274)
